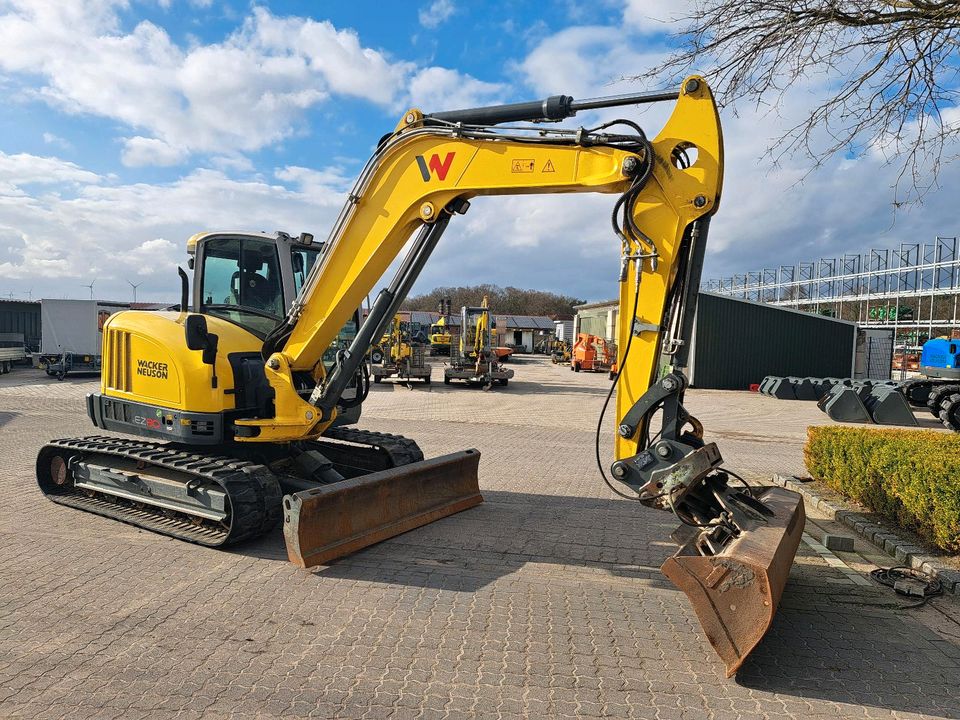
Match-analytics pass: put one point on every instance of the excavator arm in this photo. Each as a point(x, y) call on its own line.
point(738, 542)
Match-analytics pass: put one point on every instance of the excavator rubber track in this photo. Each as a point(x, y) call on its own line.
point(388, 489)
point(252, 490)
point(356, 452)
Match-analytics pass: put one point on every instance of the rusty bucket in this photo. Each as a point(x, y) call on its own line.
point(736, 591)
point(326, 523)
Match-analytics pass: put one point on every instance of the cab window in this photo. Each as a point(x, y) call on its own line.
point(302, 259)
point(241, 283)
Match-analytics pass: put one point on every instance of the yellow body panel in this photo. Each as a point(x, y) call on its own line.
point(145, 359)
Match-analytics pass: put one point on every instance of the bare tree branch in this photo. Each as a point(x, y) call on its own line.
point(891, 68)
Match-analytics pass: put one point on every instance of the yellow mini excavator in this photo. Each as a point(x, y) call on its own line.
point(473, 359)
point(439, 336)
point(401, 356)
point(241, 403)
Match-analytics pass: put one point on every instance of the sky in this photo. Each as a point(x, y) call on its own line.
point(128, 125)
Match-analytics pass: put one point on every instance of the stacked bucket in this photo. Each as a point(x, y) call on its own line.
point(846, 400)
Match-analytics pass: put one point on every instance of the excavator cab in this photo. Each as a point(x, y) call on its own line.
point(249, 279)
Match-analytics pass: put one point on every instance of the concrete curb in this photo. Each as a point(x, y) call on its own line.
point(902, 550)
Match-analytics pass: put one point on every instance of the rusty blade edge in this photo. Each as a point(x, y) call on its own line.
point(381, 504)
point(358, 541)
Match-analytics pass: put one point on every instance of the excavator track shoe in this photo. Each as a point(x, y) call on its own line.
point(326, 523)
point(735, 592)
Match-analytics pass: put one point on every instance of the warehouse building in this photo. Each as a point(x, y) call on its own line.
point(524, 333)
point(737, 342)
point(563, 328)
point(21, 317)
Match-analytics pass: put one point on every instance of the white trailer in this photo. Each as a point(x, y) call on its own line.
point(71, 334)
point(12, 350)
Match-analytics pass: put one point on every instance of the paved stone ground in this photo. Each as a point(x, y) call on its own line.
point(545, 601)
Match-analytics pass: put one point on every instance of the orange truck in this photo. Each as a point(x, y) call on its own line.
point(592, 353)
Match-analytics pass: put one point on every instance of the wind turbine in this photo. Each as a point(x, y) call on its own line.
point(91, 287)
point(134, 286)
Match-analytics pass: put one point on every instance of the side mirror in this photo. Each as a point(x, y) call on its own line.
point(199, 338)
point(195, 329)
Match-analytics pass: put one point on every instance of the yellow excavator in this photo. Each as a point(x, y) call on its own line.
point(439, 336)
point(400, 356)
point(473, 359)
point(241, 402)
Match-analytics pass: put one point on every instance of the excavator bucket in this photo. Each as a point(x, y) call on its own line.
point(736, 591)
point(326, 523)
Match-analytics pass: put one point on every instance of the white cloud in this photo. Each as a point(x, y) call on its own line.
point(235, 161)
point(90, 227)
point(24, 169)
point(313, 181)
point(139, 151)
point(586, 61)
point(436, 13)
point(656, 16)
point(57, 141)
point(238, 95)
point(437, 88)
point(154, 256)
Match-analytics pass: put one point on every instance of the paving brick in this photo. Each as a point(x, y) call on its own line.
point(839, 543)
point(545, 601)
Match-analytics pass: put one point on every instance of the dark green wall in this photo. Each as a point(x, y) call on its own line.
point(23, 318)
point(738, 343)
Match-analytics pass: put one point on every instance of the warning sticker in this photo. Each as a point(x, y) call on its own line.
point(522, 166)
point(549, 167)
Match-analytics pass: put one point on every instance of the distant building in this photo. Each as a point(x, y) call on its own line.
point(21, 317)
point(737, 342)
point(597, 319)
point(526, 333)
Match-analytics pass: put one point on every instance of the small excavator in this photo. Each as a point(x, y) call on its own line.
point(560, 352)
point(440, 337)
point(238, 410)
point(473, 358)
point(401, 357)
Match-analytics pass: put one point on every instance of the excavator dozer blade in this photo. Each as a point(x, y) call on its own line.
point(735, 592)
point(326, 523)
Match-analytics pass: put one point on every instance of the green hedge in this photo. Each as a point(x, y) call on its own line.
point(910, 477)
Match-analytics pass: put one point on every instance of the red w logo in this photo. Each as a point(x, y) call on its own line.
point(435, 166)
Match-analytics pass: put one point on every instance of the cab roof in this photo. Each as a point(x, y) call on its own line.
point(199, 237)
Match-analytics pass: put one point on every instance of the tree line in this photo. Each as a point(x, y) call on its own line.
point(502, 301)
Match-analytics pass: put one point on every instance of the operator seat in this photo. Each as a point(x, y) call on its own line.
point(259, 292)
